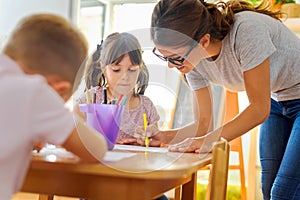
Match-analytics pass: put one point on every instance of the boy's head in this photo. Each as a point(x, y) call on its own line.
point(48, 45)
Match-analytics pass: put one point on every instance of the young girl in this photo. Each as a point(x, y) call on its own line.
point(117, 66)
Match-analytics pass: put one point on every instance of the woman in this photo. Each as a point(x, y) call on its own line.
point(242, 48)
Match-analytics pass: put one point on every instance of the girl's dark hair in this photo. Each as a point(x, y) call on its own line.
point(111, 51)
point(195, 18)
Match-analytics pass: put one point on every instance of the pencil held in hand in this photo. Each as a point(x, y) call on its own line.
point(145, 129)
point(151, 131)
point(88, 96)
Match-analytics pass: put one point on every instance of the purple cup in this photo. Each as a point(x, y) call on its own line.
point(105, 118)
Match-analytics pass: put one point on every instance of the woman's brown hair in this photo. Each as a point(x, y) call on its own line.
point(195, 18)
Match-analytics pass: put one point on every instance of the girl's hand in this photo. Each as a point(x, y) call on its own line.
point(152, 142)
point(132, 141)
point(151, 131)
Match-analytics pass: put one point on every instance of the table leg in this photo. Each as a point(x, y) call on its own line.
point(189, 190)
point(45, 197)
point(177, 195)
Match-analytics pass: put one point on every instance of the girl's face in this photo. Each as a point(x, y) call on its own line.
point(122, 77)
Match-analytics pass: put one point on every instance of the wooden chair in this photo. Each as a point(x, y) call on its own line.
point(217, 187)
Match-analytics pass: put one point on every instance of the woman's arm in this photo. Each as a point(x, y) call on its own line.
point(257, 85)
point(203, 115)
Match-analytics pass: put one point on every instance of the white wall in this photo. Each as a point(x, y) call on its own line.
point(11, 11)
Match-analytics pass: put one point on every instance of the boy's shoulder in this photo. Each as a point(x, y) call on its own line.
point(12, 72)
point(22, 83)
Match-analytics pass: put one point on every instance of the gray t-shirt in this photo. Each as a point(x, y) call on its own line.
point(253, 38)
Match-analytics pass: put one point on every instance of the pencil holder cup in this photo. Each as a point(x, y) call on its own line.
point(105, 118)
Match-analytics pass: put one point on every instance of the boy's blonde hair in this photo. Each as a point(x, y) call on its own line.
point(49, 45)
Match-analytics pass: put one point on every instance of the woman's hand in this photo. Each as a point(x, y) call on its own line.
point(203, 144)
point(188, 145)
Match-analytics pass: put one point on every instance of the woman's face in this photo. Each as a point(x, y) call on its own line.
point(186, 52)
point(122, 77)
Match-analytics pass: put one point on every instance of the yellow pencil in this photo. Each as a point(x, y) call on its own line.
point(145, 128)
point(88, 97)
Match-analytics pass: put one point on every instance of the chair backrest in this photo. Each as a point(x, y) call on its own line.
point(217, 187)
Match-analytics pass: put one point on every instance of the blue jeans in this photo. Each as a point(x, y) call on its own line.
point(280, 151)
point(163, 197)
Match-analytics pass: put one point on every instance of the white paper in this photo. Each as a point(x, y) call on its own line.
point(140, 148)
point(113, 156)
point(50, 149)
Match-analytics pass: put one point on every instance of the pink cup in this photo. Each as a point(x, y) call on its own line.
point(105, 118)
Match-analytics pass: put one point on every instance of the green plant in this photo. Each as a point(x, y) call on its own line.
point(277, 2)
point(284, 1)
point(254, 2)
point(233, 192)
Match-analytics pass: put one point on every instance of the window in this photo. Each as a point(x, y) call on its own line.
point(91, 21)
point(130, 16)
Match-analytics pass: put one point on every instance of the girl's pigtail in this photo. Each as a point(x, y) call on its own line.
point(94, 74)
point(143, 79)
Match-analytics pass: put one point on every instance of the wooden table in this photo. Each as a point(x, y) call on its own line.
point(139, 176)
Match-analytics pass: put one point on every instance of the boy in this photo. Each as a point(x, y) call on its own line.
point(32, 107)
